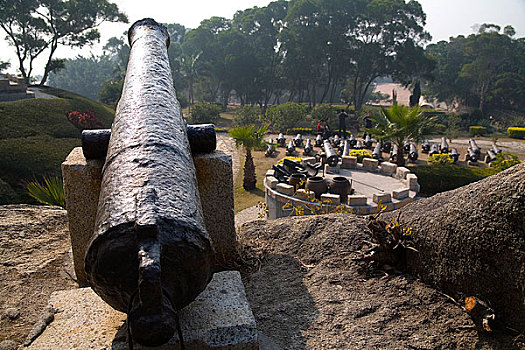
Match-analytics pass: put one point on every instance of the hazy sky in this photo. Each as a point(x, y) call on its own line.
point(445, 18)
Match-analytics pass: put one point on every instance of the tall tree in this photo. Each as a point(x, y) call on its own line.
point(34, 26)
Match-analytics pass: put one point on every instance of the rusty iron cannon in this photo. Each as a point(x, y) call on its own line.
point(318, 141)
point(444, 145)
point(425, 147)
point(150, 254)
point(298, 141)
point(290, 149)
point(281, 140)
point(331, 155)
point(475, 148)
point(376, 154)
point(454, 155)
point(412, 153)
point(308, 148)
point(270, 149)
point(433, 150)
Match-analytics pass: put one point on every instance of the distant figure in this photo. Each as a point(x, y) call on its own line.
point(325, 129)
point(342, 123)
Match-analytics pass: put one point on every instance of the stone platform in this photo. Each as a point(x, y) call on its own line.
point(220, 318)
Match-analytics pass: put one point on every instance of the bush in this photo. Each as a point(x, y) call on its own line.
point(516, 132)
point(7, 194)
point(247, 115)
point(205, 112)
point(360, 154)
point(477, 130)
point(302, 131)
point(440, 159)
point(51, 192)
point(439, 128)
point(84, 120)
point(440, 178)
point(504, 161)
point(285, 116)
point(323, 111)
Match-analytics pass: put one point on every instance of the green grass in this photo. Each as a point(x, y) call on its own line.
point(36, 137)
point(244, 199)
point(439, 178)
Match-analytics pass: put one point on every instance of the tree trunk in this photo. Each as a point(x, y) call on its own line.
point(249, 180)
point(400, 156)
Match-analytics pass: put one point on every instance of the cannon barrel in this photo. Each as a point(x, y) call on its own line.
point(358, 145)
point(412, 153)
point(308, 148)
point(291, 148)
point(353, 141)
point(406, 147)
point(454, 155)
point(490, 156)
point(281, 140)
point(425, 147)
point(386, 146)
point(393, 154)
point(319, 141)
point(331, 156)
point(495, 149)
point(368, 141)
point(444, 145)
point(433, 149)
point(471, 155)
point(202, 138)
point(298, 140)
point(376, 154)
point(150, 254)
point(346, 148)
point(270, 150)
point(336, 141)
point(474, 147)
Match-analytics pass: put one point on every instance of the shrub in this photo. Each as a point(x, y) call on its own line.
point(205, 112)
point(247, 115)
point(504, 161)
point(360, 154)
point(477, 130)
point(516, 132)
point(51, 192)
point(441, 159)
point(84, 120)
point(285, 116)
point(7, 194)
point(435, 179)
point(323, 111)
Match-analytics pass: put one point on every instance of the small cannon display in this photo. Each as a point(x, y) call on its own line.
point(290, 150)
point(376, 154)
point(406, 147)
point(454, 155)
point(444, 145)
point(358, 145)
point(281, 140)
point(298, 141)
point(150, 254)
point(433, 150)
point(367, 141)
point(495, 149)
point(308, 148)
point(270, 150)
point(474, 147)
point(336, 141)
point(412, 153)
point(319, 141)
point(386, 146)
point(471, 155)
point(393, 154)
point(353, 141)
point(490, 156)
point(331, 156)
point(425, 147)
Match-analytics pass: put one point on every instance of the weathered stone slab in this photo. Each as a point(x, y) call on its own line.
point(388, 168)
point(402, 172)
point(382, 197)
point(331, 198)
point(412, 182)
point(357, 200)
point(349, 162)
point(82, 180)
point(304, 194)
point(270, 172)
point(272, 182)
point(401, 193)
point(370, 164)
point(285, 189)
point(220, 318)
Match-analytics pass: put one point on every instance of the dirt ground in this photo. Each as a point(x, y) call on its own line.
point(34, 262)
point(309, 289)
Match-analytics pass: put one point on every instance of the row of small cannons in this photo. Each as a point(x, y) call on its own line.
point(473, 151)
point(336, 146)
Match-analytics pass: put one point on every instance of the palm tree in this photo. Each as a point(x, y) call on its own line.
point(249, 138)
point(400, 124)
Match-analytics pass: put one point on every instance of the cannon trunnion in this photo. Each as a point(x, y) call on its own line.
point(150, 254)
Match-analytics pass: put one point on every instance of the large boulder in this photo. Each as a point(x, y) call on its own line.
point(471, 242)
